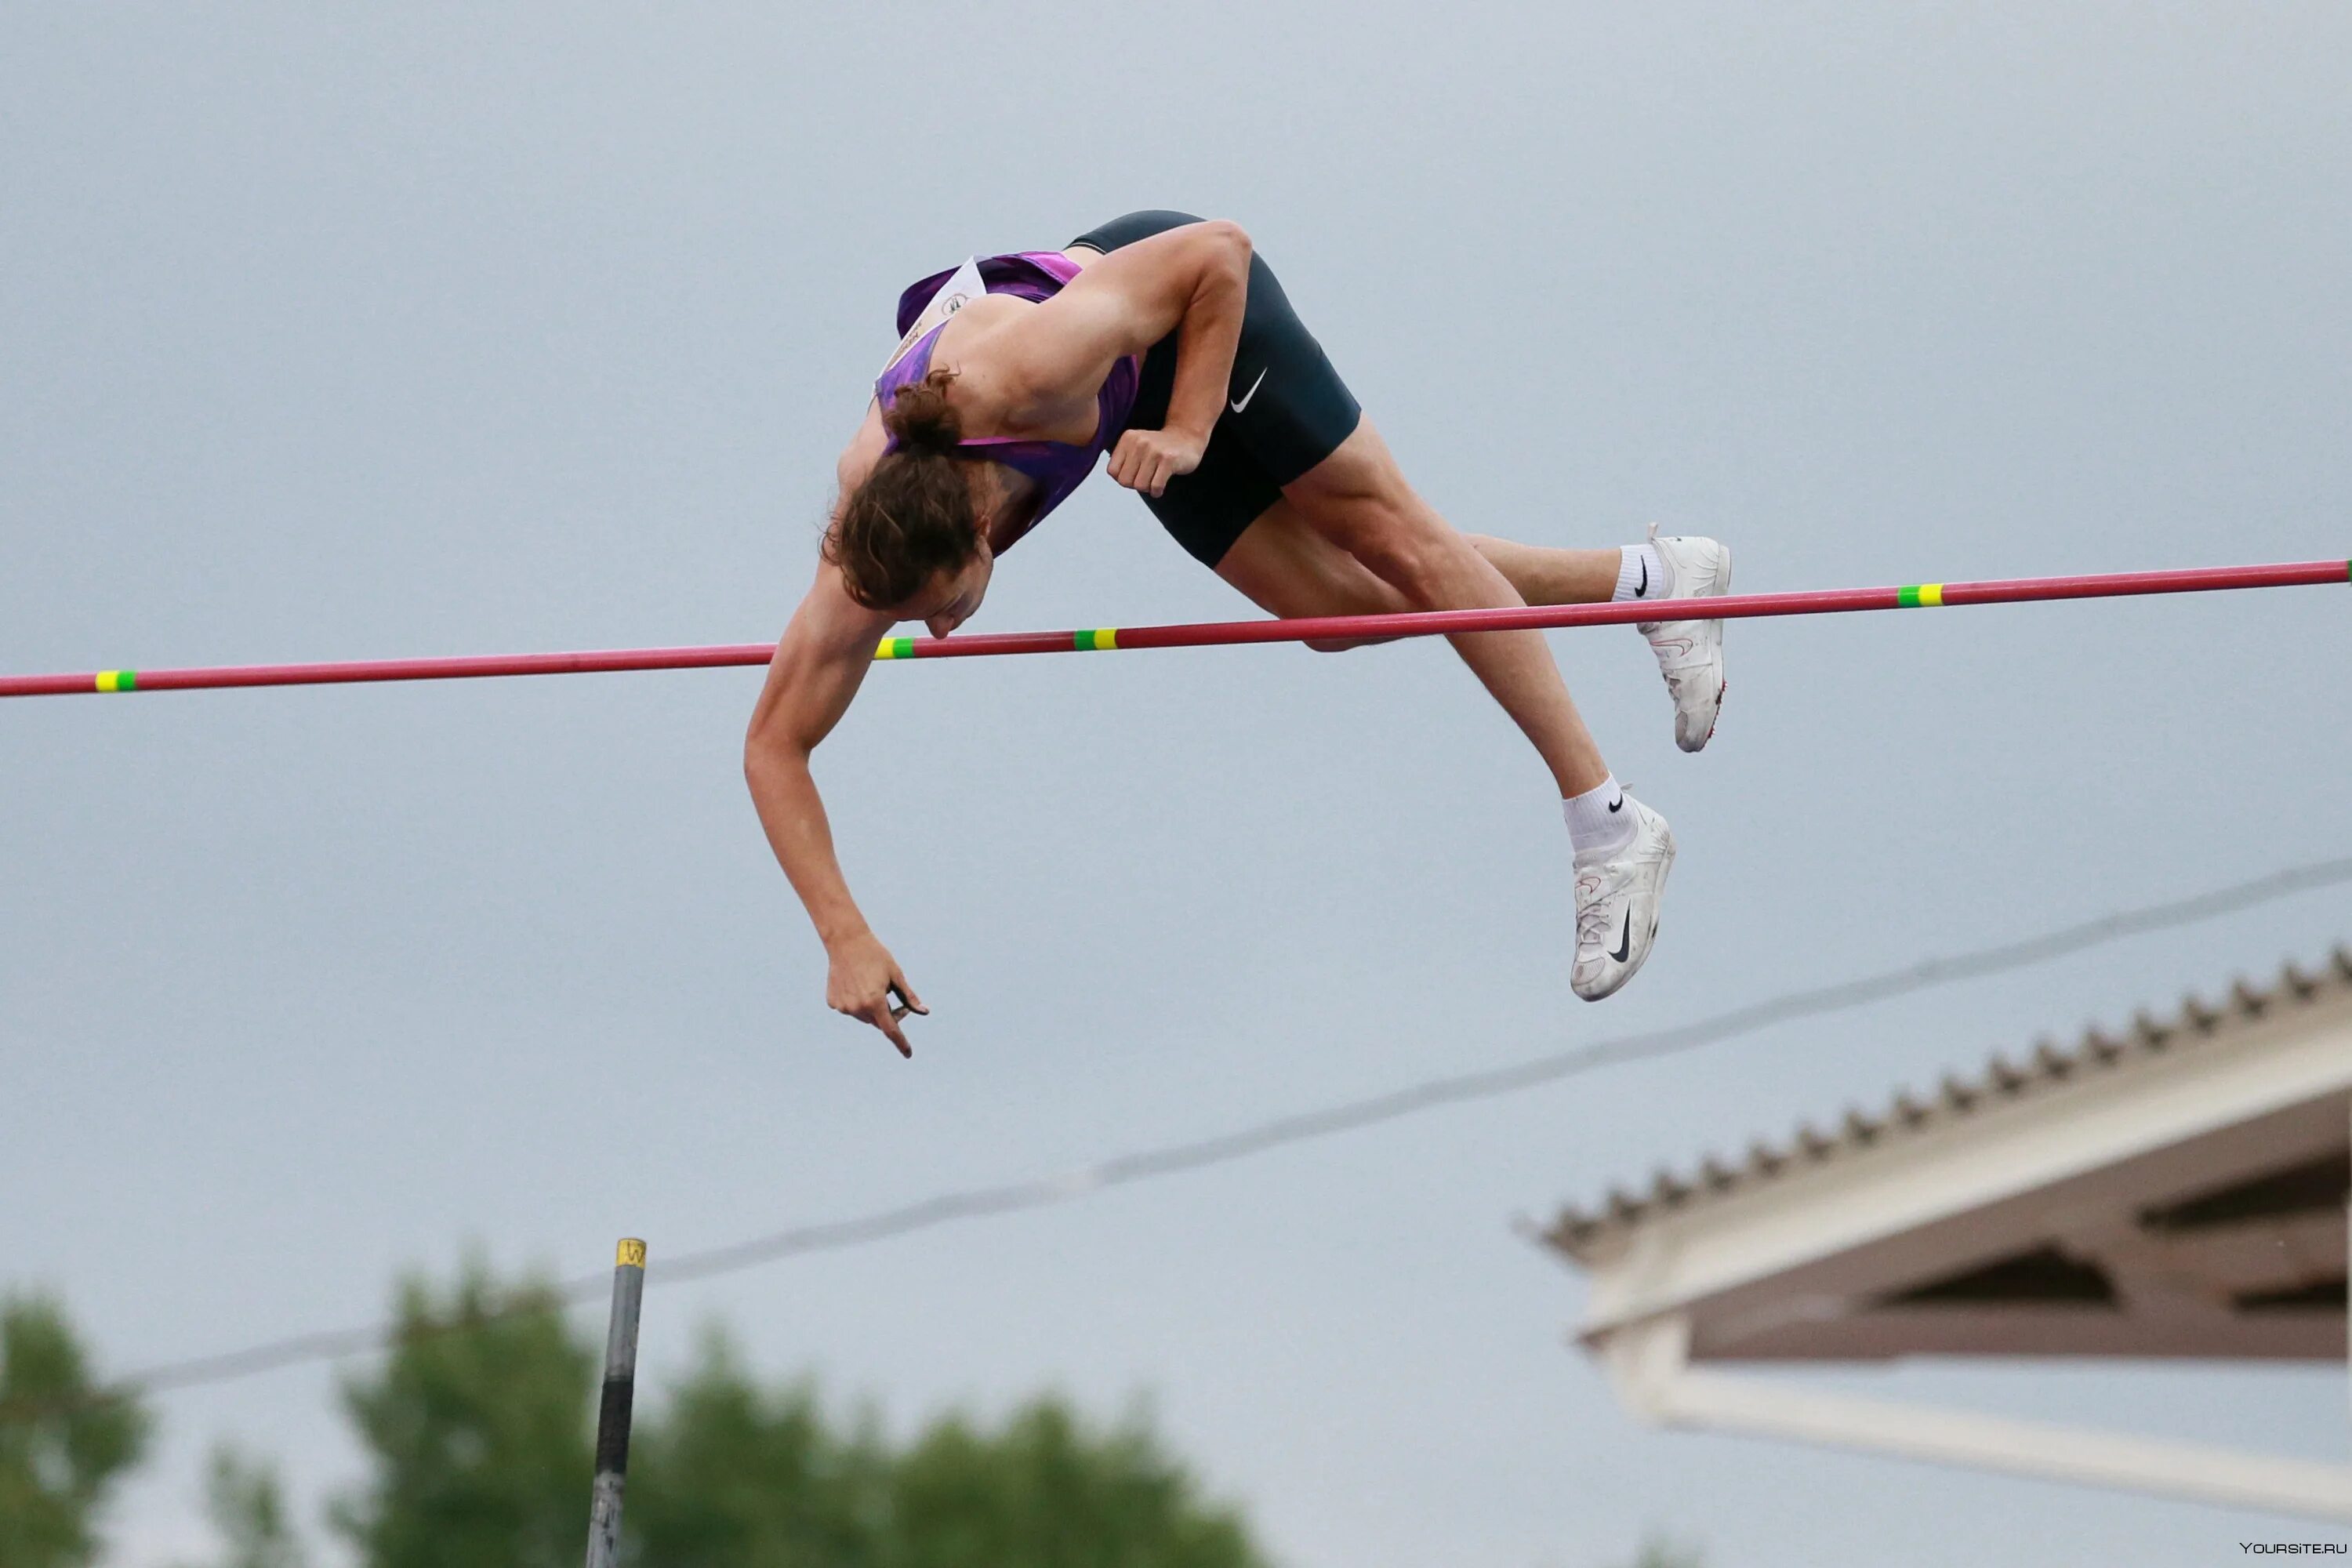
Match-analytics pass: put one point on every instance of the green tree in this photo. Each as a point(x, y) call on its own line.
point(479, 1432)
point(477, 1428)
point(1046, 1491)
point(730, 1475)
point(62, 1445)
point(247, 1508)
point(1663, 1551)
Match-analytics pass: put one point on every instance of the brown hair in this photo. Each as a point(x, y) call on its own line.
point(913, 517)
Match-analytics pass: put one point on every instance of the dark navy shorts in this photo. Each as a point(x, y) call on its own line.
point(1293, 409)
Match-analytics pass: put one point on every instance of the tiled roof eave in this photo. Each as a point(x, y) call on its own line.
point(1587, 1232)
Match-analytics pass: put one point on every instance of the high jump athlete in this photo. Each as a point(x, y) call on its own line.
point(1167, 342)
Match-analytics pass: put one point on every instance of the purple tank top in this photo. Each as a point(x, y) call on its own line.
point(1056, 468)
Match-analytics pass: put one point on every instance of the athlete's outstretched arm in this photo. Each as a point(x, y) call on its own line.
point(819, 663)
point(1195, 277)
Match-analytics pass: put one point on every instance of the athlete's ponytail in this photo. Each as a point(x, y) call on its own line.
point(913, 517)
point(919, 417)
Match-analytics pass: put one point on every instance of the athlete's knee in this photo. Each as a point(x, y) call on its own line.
point(1401, 544)
point(1228, 235)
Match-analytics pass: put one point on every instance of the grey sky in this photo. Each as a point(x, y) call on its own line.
point(438, 331)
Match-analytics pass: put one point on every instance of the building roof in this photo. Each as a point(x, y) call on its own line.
point(2173, 1188)
point(1580, 1229)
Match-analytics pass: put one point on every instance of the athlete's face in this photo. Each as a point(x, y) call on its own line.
point(954, 597)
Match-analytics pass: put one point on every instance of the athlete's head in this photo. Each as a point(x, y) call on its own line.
point(912, 538)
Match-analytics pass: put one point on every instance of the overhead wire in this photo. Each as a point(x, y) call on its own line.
point(1166, 1160)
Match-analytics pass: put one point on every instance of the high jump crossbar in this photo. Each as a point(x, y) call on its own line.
point(1215, 633)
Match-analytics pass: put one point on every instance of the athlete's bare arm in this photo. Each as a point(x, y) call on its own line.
point(1031, 366)
point(1037, 362)
point(820, 661)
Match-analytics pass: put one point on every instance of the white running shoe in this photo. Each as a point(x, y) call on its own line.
point(1617, 906)
point(1690, 653)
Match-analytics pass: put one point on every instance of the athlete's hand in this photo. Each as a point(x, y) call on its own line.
point(1145, 461)
point(861, 977)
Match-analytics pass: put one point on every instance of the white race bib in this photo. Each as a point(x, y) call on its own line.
point(962, 286)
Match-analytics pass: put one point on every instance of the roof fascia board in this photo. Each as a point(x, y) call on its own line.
point(2062, 1132)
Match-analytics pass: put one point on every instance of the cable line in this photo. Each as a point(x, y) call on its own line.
point(1225, 1148)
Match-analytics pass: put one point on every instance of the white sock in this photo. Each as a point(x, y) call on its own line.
point(1639, 574)
point(1600, 823)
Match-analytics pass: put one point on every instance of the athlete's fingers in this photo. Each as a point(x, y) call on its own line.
point(1140, 462)
point(905, 993)
point(881, 1018)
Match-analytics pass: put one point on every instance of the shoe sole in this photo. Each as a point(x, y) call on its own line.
point(1723, 585)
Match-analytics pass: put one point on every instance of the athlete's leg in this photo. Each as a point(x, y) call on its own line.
point(1298, 503)
point(1357, 499)
point(1291, 566)
point(1545, 575)
point(1286, 567)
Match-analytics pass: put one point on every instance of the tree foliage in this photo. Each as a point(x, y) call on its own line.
point(1663, 1552)
point(732, 1475)
point(477, 1433)
point(63, 1445)
point(736, 1476)
point(247, 1508)
point(479, 1444)
point(1047, 1491)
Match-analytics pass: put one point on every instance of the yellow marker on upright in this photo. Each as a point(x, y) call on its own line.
point(632, 1254)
